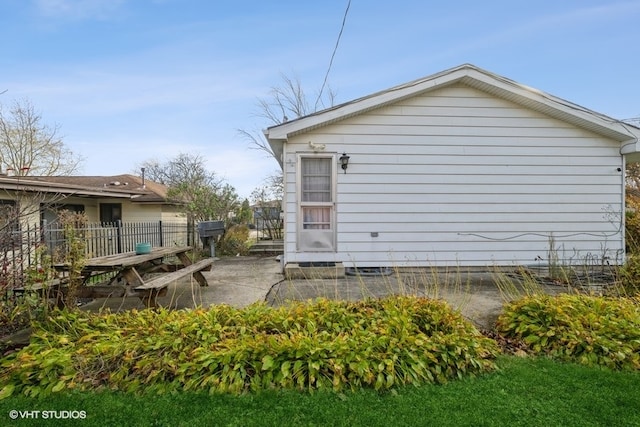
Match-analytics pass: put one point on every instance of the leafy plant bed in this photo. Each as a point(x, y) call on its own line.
point(586, 329)
point(378, 344)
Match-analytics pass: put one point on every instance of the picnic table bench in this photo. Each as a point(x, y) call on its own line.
point(132, 273)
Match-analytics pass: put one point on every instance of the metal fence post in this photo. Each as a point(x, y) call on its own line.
point(46, 237)
point(119, 236)
point(161, 233)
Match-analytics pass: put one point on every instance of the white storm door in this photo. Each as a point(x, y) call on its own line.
point(316, 201)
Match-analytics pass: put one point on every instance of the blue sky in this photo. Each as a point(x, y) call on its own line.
point(133, 80)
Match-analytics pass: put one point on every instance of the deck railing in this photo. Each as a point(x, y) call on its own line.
point(18, 247)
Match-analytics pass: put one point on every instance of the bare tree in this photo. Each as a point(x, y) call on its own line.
point(285, 102)
point(20, 206)
point(275, 186)
point(267, 201)
point(153, 170)
point(203, 195)
point(20, 236)
point(184, 168)
point(30, 147)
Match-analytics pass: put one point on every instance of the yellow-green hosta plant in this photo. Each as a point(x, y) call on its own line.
point(323, 344)
point(590, 330)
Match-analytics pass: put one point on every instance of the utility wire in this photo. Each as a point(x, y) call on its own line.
point(326, 76)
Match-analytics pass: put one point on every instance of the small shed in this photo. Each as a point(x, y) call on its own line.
point(461, 168)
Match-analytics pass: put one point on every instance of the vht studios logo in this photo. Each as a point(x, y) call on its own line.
point(48, 415)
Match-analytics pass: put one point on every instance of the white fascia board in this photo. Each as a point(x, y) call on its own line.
point(551, 105)
point(55, 189)
point(358, 106)
point(475, 77)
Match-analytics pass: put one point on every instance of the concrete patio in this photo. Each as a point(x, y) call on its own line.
point(241, 281)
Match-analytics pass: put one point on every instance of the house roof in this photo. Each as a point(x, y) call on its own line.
point(472, 76)
point(267, 204)
point(118, 186)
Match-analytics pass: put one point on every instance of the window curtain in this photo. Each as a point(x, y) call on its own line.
point(316, 218)
point(316, 180)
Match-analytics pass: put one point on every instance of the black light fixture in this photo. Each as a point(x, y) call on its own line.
point(344, 162)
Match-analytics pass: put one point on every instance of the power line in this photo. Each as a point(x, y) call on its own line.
point(326, 76)
point(632, 121)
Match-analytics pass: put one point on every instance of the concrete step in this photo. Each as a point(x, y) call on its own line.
point(267, 247)
point(310, 270)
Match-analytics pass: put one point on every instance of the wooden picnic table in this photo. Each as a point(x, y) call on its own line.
point(132, 272)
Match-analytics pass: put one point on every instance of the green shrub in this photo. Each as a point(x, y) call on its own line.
point(629, 276)
point(585, 329)
point(73, 252)
point(19, 309)
point(377, 344)
point(234, 241)
point(632, 224)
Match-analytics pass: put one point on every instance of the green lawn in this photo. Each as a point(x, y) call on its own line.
point(525, 392)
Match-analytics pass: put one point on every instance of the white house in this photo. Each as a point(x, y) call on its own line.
point(461, 168)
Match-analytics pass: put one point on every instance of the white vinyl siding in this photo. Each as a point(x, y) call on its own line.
point(459, 177)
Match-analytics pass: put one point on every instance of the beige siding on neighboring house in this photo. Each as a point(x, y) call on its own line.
point(142, 212)
point(173, 214)
point(458, 176)
point(90, 207)
point(133, 212)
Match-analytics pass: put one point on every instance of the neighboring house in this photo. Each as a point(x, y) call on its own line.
point(461, 168)
point(267, 217)
point(102, 198)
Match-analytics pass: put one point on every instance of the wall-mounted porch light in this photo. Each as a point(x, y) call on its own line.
point(344, 162)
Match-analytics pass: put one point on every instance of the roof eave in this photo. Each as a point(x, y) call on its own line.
point(35, 187)
point(474, 77)
point(364, 104)
point(550, 105)
point(277, 147)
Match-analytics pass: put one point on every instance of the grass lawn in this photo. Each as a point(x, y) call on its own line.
point(525, 392)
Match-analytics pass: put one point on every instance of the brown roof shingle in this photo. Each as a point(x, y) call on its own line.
point(149, 192)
